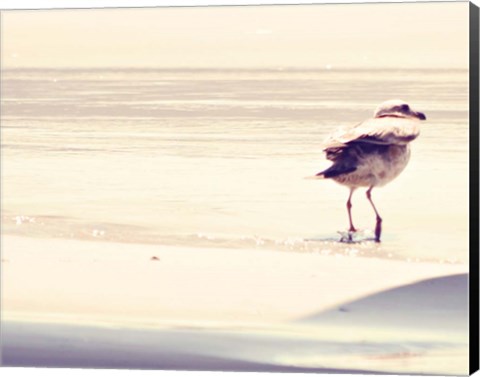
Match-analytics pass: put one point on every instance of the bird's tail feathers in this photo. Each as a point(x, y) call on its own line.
point(316, 176)
point(332, 171)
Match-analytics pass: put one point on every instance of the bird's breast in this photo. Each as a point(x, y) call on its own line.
point(384, 167)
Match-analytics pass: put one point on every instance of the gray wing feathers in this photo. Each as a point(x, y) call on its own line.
point(380, 131)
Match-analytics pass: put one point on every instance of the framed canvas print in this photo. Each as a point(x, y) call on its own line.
point(261, 188)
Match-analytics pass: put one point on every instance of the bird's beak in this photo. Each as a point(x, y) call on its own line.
point(419, 115)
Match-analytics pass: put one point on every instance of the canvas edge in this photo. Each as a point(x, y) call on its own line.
point(474, 187)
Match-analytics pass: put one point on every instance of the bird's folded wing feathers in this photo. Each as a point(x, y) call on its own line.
point(381, 131)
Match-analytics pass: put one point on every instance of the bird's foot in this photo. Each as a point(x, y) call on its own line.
point(378, 229)
point(357, 236)
point(347, 236)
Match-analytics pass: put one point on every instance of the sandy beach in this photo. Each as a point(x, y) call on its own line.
point(89, 304)
point(135, 241)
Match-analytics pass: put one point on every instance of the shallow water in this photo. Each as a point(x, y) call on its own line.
point(284, 349)
point(218, 158)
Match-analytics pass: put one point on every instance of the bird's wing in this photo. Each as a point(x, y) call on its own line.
point(380, 131)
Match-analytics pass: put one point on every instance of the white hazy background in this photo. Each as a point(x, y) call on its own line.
point(306, 36)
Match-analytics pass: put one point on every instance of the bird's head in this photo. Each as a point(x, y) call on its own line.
point(397, 108)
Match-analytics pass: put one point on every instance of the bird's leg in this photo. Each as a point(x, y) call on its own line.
point(378, 226)
point(349, 209)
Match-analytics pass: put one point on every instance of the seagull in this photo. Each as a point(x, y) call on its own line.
point(372, 153)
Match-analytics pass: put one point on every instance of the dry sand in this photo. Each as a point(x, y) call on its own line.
point(97, 304)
